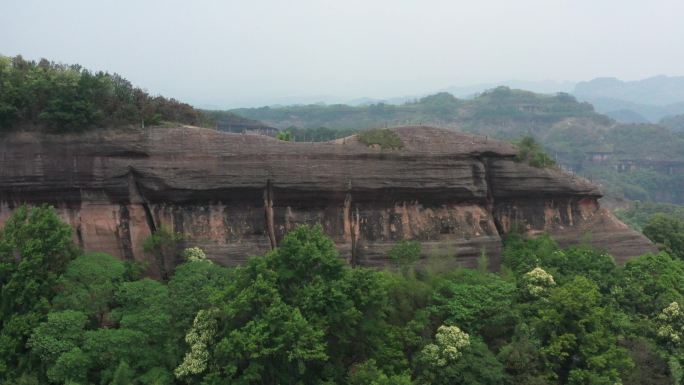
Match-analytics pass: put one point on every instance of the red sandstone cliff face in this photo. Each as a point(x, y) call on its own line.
point(236, 195)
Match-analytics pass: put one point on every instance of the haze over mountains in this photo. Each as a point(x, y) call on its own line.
point(640, 101)
point(635, 101)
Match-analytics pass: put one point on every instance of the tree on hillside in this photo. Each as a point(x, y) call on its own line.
point(136, 339)
point(297, 315)
point(650, 282)
point(89, 284)
point(35, 248)
point(456, 358)
point(579, 341)
point(192, 286)
point(668, 233)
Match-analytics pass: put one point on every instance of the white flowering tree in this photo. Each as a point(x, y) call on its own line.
point(456, 358)
point(670, 323)
point(448, 347)
point(195, 254)
point(198, 338)
point(536, 282)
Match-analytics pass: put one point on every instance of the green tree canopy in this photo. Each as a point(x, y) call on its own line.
point(63, 97)
point(668, 233)
point(35, 248)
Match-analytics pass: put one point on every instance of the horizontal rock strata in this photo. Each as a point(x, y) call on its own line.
point(236, 195)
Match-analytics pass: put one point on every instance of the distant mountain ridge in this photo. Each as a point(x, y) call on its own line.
point(674, 123)
point(550, 87)
point(504, 112)
point(641, 101)
point(638, 161)
point(657, 90)
point(650, 99)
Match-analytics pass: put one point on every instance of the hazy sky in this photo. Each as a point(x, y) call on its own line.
point(233, 53)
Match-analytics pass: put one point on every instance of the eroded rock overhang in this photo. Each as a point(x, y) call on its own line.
point(236, 195)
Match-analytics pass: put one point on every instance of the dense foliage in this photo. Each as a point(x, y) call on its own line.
point(639, 213)
point(661, 223)
point(61, 97)
point(667, 232)
point(35, 248)
point(299, 315)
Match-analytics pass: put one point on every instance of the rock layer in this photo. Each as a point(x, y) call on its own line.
point(236, 195)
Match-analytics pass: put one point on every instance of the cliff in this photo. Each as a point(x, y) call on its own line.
point(236, 195)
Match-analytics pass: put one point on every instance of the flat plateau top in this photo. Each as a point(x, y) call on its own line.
point(416, 140)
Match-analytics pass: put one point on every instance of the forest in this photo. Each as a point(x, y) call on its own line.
point(299, 315)
point(60, 98)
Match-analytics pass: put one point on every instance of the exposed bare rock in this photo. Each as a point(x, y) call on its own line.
point(236, 195)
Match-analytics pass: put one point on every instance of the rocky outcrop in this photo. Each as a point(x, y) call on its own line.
point(236, 195)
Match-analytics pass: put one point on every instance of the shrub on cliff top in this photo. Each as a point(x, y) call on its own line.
point(531, 152)
point(285, 136)
point(386, 139)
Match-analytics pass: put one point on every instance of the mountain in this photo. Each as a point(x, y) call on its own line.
point(629, 112)
point(652, 98)
point(675, 123)
point(502, 111)
point(551, 87)
point(643, 101)
point(658, 90)
point(626, 116)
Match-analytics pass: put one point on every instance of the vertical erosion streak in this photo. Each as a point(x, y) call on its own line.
point(355, 236)
point(351, 224)
point(268, 208)
point(136, 196)
point(489, 201)
point(124, 233)
point(79, 236)
point(136, 191)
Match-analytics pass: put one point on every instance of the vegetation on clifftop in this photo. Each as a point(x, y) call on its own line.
point(59, 97)
point(382, 137)
point(531, 152)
